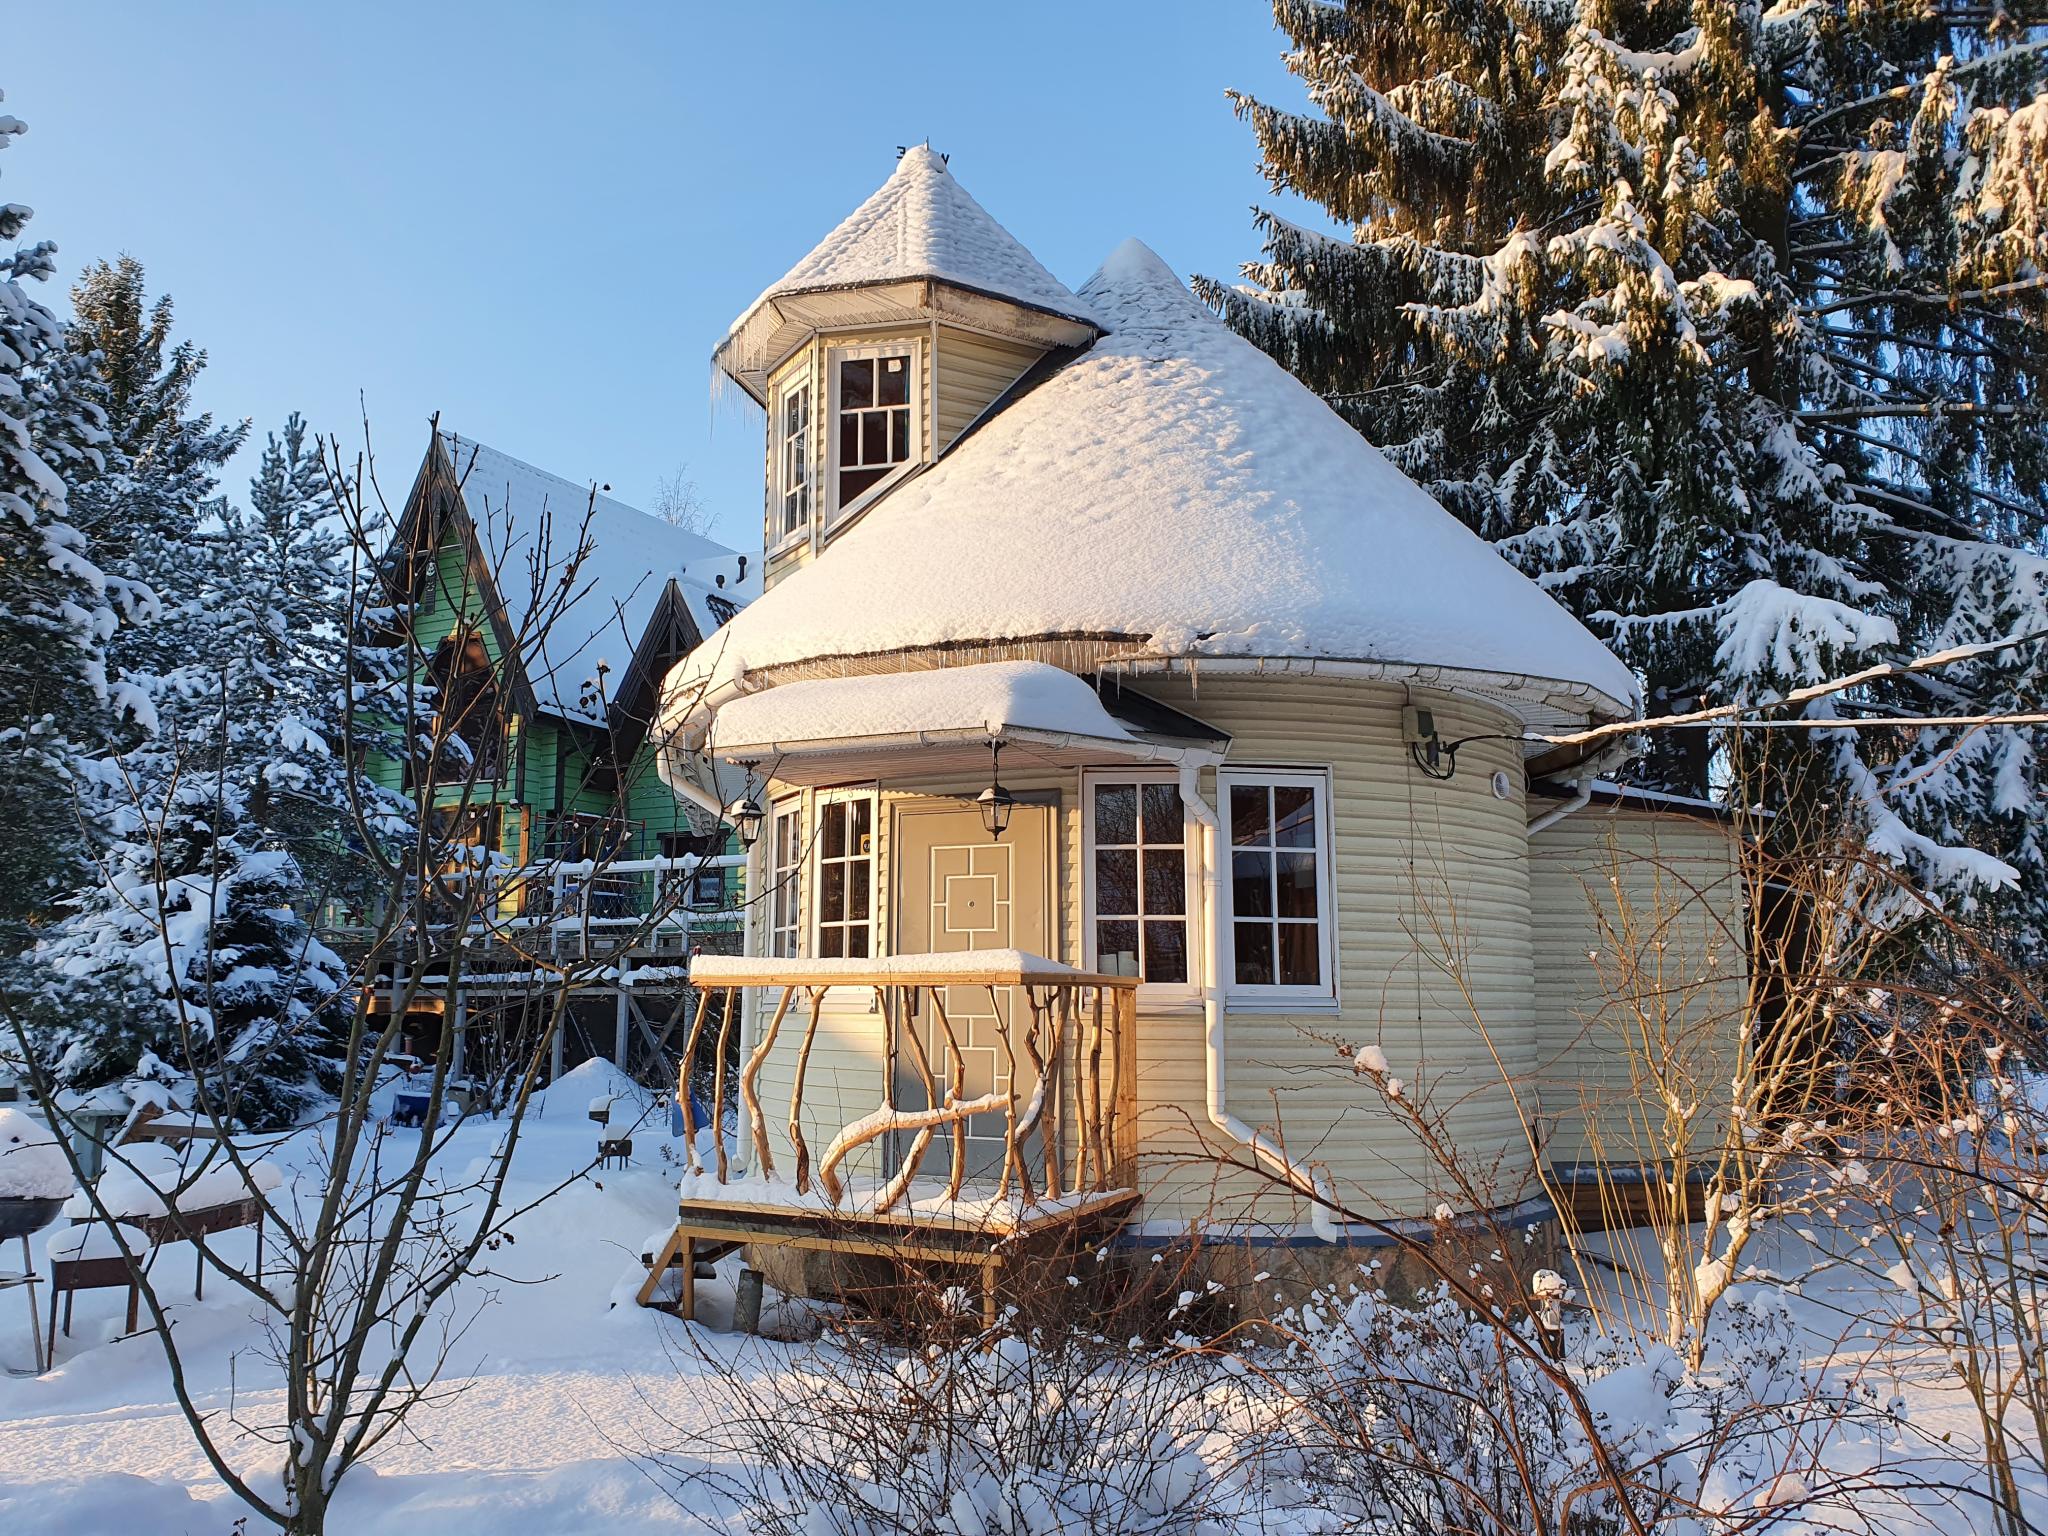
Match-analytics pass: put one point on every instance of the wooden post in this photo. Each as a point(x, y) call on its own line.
point(956, 1091)
point(690, 1158)
point(718, 1082)
point(622, 1016)
point(1014, 1131)
point(921, 1140)
point(1049, 1114)
point(1092, 1142)
point(796, 1095)
point(750, 1098)
point(688, 1299)
point(1126, 1097)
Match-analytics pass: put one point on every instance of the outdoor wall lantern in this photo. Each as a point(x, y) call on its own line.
point(745, 813)
point(996, 802)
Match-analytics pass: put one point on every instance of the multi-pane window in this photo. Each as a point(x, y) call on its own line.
point(793, 463)
point(1138, 879)
point(785, 902)
point(1279, 881)
point(874, 404)
point(846, 872)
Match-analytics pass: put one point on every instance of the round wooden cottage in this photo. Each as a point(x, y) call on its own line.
point(1130, 738)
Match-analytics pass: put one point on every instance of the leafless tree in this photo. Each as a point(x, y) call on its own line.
point(362, 1313)
point(678, 502)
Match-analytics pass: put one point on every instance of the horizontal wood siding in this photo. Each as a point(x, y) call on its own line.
point(1433, 960)
point(972, 371)
point(1434, 957)
point(1667, 887)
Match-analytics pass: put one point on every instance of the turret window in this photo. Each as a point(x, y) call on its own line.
point(793, 465)
point(876, 430)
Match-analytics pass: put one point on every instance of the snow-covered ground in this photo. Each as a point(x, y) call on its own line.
point(559, 1384)
point(563, 1400)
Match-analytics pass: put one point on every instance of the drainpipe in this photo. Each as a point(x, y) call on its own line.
point(1582, 797)
point(1297, 1175)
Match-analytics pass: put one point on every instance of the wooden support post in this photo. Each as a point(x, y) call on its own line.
point(688, 1301)
point(796, 1096)
point(690, 1157)
point(750, 1097)
point(622, 1016)
point(956, 1091)
point(718, 1082)
point(1125, 1129)
point(659, 1267)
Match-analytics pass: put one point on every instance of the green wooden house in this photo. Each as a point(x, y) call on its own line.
point(566, 785)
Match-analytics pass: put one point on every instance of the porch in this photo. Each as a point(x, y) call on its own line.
point(1003, 1131)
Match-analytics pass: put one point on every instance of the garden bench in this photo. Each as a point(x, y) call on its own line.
point(86, 1257)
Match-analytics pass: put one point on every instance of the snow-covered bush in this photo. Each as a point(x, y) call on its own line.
point(1415, 1418)
point(1012, 1434)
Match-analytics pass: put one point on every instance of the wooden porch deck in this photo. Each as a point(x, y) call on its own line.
point(1065, 1173)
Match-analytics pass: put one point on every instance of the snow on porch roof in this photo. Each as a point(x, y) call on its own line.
point(813, 730)
point(1175, 494)
point(922, 223)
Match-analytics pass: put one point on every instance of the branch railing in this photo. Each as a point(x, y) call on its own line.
point(1067, 1042)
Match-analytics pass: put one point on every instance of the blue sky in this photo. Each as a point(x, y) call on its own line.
point(539, 219)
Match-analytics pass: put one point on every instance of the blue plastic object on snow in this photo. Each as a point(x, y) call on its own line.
point(699, 1116)
point(409, 1108)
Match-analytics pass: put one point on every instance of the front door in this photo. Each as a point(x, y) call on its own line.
point(958, 889)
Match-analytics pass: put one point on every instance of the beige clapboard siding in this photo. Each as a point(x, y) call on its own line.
point(959, 374)
point(1412, 856)
point(972, 370)
point(1669, 880)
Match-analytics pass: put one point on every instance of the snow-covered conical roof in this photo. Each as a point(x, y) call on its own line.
point(922, 223)
point(1175, 492)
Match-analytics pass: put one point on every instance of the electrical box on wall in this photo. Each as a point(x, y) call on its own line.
point(1418, 725)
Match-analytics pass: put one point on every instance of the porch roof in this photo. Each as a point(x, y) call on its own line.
point(965, 967)
point(830, 730)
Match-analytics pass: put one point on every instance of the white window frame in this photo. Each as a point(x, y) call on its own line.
point(815, 861)
point(834, 356)
point(1316, 780)
point(786, 820)
point(780, 539)
point(1160, 991)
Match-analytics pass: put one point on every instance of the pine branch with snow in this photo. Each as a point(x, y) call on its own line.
point(1755, 391)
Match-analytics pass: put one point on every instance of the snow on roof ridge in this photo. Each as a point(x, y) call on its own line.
point(922, 223)
point(1134, 289)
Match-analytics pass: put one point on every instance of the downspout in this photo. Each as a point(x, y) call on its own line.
point(1296, 1175)
point(1581, 798)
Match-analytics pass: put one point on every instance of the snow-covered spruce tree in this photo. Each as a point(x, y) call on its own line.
point(1726, 323)
point(283, 608)
point(157, 491)
point(58, 609)
point(231, 823)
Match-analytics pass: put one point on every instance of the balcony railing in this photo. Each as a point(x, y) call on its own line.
point(1024, 1070)
point(588, 897)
